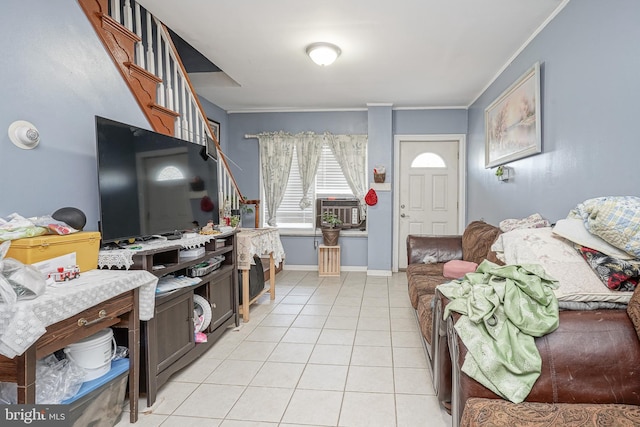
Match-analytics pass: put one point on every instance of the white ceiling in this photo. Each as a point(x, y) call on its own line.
point(407, 53)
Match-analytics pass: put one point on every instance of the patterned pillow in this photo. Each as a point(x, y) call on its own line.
point(615, 219)
point(532, 221)
point(616, 274)
point(633, 310)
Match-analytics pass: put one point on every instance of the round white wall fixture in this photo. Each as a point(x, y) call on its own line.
point(24, 135)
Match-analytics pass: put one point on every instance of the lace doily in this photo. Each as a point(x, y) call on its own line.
point(123, 258)
point(258, 241)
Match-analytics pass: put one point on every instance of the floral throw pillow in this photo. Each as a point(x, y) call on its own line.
point(617, 274)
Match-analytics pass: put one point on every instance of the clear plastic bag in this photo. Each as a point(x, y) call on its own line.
point(57, 380)
point(121, 352)
point(54, 226)
point(17, 280)
point(18, 227)
point(8, 393)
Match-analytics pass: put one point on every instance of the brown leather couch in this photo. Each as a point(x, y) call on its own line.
point(473, 245)
point(592, 357)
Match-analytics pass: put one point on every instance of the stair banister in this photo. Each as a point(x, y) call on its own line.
point(138, 30)
point(145, 64)
point(233, 185)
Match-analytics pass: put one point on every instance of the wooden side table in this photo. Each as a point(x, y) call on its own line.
point(329, 261)
point(258, 241)
point(119, 311)
point(65, 314)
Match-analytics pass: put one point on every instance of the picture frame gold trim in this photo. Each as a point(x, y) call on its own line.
point(513, 127)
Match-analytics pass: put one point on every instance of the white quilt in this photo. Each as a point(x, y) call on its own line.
point(578, 282)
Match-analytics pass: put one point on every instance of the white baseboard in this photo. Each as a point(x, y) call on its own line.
point(342, 268)
point(354, 268)
point(384, 273)
point(300, 267)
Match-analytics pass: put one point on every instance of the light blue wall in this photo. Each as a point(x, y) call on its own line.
point(420, 122)
point(215, 113)
point(590, 90)
point(380, 218)
point(57, 75)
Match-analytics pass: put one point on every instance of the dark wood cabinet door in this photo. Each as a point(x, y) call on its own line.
point(221, 299)
point(174, 330)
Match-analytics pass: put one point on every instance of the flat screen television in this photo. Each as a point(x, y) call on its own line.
point(152, 184)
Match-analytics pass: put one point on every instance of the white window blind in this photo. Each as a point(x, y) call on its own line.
point(330, 181)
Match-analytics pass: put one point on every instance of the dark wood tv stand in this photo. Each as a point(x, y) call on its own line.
point(167, 340)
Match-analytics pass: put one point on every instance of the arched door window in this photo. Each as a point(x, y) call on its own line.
point(428, 160)
point(170, 173)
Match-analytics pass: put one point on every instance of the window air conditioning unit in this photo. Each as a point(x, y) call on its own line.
point(347, 209)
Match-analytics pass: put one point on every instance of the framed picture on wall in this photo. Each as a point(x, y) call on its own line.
point(215, 127)
point(513, 121)
point(211, 145)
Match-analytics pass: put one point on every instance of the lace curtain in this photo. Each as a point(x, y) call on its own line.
point(276, 152)
point(351, 153)
point(308, 149)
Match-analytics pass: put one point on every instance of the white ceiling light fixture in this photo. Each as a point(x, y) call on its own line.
point(323, 53)
point(24, 135)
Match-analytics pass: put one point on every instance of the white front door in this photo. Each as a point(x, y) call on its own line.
point(428, 190)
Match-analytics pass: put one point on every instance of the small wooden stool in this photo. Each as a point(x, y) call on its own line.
point(329, 261)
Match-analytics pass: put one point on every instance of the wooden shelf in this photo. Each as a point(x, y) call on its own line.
point(380, 186)
point(168, 341)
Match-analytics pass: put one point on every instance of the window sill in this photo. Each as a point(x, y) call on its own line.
point(293, 232)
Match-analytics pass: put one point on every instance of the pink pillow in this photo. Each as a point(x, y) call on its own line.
point(457, 268)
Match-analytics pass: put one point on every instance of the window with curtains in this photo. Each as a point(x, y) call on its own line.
point(329, 182)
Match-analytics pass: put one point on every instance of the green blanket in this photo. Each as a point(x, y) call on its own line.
point(504, 308)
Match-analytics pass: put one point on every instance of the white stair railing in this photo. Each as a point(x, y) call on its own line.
point(156, 54)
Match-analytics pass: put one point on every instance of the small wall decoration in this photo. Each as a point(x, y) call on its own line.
point(513, 121)
point(215, 127)
point(210, 144)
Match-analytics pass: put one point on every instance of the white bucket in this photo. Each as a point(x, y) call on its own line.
point(93, 353)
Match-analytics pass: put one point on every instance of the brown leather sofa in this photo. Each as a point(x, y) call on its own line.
point(473, 245)
point(591, 358)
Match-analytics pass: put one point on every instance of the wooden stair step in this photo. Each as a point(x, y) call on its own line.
point(120, 43)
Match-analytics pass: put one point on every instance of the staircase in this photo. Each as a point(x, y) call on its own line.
point(147, 59)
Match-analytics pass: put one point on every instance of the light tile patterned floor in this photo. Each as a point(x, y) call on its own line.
point(342, 352)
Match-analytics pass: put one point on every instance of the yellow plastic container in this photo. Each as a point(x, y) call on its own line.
point(85, 244)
